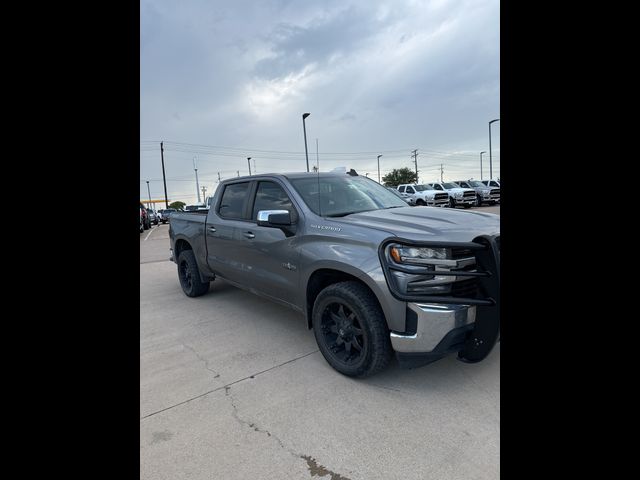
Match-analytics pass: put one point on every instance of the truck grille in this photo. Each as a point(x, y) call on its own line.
point(465, 288)
point(469, 195)
point(441, 196)
point(495, 191)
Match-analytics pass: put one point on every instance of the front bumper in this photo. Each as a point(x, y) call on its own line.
point(432, 323)
point(464, 201)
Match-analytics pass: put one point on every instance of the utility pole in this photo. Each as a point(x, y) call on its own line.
point(197, 184)
point(317, 157)
point(441, 173)
point(415, 158)
point(218, 177)
point(490, 156)
point(481, 164)
point(249, 163)
point(149, 192)
point(164, 178)
point(304, 128)
point(238, 172)
point(254, 166)
point(379, 169)
point(204, 189)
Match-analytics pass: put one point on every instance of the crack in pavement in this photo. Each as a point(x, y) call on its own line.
point(315, 469)
point(206, 362)
point(228, 385)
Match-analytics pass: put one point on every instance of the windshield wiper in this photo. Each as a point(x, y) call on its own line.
point(344, 214)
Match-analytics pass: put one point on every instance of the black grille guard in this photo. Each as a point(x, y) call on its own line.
point(486, 250)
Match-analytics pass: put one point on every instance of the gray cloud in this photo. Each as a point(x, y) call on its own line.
point(374, 75)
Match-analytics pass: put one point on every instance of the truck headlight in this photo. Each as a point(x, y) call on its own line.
point(415, 270)
point(403, 254)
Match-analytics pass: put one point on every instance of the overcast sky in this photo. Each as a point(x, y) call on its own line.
point(223, 81)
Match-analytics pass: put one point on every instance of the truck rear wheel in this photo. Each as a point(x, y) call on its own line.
point(351, 330)
point(189, 275)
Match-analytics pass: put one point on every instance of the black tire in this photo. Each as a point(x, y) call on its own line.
point(146, 226)
point(357, 309)
point(141, 227)
point(466, 205)
point(478, 201)
point(452, 203)
point(420, 203)
point(189, 275)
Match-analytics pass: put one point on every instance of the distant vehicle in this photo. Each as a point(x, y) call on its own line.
point(424, 195)
point(491, 183)
point(483, 193)
point(146, 221)
point(397, 194)
point(141, 222)
point(194, 207)
point(153, 217)
point(457, 195)
point(163, 215)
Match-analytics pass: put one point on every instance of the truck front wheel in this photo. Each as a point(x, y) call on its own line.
point(420, 202)
point(351, 330)
point(189, 275)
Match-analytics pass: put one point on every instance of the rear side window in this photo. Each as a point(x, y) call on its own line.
point(437, 186)
point(401, 189)
point(233, 200)
point(271, 196)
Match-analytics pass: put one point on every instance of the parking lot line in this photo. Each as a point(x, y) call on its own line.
point(151, 230)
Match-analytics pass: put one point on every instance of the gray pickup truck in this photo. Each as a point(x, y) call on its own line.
point(371, 275)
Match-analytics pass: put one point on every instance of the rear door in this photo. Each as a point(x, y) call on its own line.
point(224, 222)
point(270, 255)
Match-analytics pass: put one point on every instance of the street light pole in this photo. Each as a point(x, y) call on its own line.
point(304, 128)
point(481, 164)
point(249, 163)
point(197, 184)
point(164, 178)
point(149, 192)
point(490, 156)
point(379, 169)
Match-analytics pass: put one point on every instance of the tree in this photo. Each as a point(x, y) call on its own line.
point(177, 205)
point(399, 176)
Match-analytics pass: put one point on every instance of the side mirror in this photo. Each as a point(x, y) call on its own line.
point(274, 218)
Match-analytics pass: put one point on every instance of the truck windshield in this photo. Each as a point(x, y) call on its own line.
point(422, 188)
point(340, 196)
point(451, 185)
point(476, 183)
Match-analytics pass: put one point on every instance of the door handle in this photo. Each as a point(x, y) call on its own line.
point(212, 229)
point(249, 235)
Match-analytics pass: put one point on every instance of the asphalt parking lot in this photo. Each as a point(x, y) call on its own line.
point(232, 386)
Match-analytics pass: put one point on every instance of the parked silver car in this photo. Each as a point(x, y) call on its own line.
point(153, 217)
point(490, 195)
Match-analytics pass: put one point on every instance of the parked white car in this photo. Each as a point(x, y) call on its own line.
point(424, 195)
point(457, 195)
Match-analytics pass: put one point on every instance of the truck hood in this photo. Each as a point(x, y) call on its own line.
point(427, 223)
